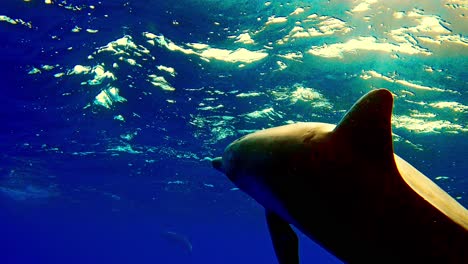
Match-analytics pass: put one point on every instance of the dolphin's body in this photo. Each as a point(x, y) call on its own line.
point(343, 187)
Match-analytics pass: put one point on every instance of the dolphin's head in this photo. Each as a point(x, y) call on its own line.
point(235, 160)
point(245, 159)
point(247, 162)
point(260, 161)
point(269, 163)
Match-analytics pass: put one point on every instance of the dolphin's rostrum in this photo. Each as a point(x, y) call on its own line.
point(343, 187)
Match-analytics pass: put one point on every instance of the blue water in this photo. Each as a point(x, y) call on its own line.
point(87, 180)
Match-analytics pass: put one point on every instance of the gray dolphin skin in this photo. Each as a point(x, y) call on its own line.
point(344, 188)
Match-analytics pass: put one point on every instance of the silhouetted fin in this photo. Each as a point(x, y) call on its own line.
point(367, 125)
point(284, 239)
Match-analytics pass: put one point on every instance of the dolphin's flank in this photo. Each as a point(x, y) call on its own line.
point(343, 187)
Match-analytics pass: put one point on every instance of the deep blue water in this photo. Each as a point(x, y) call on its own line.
point(131, 183)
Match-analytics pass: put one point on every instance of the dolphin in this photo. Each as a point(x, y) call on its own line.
point(343, 187)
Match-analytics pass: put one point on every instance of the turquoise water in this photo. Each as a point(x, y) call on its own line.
point(111, 110)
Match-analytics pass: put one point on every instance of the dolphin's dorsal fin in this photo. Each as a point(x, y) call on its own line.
point(367, 125)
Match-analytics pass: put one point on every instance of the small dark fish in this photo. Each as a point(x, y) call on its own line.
point(178, 240)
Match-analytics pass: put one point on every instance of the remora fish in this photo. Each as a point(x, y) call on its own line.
point(343, 187)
